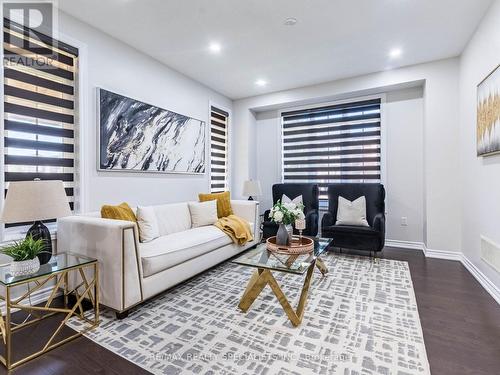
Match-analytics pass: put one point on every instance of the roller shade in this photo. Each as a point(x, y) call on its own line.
point(332, 144)
point(39, 108)
point(218, 150)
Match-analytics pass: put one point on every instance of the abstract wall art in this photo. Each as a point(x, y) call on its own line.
point(488, 114)
point(135, 136)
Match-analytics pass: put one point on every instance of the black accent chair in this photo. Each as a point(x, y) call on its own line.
point(370, 238)
point(310, 199)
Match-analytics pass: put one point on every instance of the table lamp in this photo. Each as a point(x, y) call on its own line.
point(36, 201)
point(252, 188)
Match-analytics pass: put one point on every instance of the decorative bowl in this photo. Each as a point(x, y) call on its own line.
point(24, 267)
point(298, 245)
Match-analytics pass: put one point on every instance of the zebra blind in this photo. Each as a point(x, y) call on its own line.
point(39, 106)
point(338, 143)
point(218, 150)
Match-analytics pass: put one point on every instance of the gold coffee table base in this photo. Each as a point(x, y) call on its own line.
point(262, 277)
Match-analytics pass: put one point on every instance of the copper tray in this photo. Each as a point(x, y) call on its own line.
point(299, 245)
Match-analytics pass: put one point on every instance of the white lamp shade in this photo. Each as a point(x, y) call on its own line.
point(252, 188)
point(35, 200)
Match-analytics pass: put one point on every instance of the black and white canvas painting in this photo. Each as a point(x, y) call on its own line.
point(135, 136)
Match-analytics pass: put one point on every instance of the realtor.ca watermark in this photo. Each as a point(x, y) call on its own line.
point(31, 40)
point(256, 357)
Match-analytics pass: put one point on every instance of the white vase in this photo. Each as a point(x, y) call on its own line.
point(24, 267)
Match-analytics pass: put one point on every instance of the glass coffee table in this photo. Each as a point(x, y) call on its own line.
point(266, 262)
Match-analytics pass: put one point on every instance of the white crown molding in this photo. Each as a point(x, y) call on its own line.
point(485, 282)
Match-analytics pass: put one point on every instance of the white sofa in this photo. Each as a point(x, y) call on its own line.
point(131, 272)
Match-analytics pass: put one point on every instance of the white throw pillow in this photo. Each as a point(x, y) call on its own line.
point(203, 213)
point(296, 200)
point(148, 224)
point(352, 213)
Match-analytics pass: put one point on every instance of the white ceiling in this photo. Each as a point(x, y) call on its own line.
point(333, 38)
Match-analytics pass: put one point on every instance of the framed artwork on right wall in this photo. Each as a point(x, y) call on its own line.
point(488, 114)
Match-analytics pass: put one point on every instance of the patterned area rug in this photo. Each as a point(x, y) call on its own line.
point(361, 318)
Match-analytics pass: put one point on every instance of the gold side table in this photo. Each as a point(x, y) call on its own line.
point(67, 273)
point(266, 262)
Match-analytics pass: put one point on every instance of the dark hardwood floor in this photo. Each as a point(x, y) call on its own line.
point(460, 320)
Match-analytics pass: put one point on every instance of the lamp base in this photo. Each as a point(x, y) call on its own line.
point(39, 230)
point(250, 198)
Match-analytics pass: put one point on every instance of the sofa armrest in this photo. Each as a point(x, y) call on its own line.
point(379, 223)
point(248, 210)
point(114, 244)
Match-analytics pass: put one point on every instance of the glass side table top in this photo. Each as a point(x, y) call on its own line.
point(57, 263)
point(260, 257)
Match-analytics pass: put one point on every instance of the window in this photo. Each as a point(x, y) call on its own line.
point(332, 144)
point(218, 150)
point(39, 108)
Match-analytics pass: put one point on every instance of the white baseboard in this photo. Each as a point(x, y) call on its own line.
point(37, 297)
point(405, 244)
point(485, 282)
point(443, 254)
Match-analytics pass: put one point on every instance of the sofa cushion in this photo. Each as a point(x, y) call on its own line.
point(148, 223)
point(352, 212)
point(173, 249)
point(203, 213)
point(172, 218)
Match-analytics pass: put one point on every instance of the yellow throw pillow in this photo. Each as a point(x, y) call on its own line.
point(223, 202)
point(120, 212)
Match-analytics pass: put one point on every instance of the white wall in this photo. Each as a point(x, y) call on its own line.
point(403, 114)
point(480, 181)
point(404, 122)
point(111, 64)
point(440, 208)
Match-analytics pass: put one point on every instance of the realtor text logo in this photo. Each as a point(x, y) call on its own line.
point(29, 40)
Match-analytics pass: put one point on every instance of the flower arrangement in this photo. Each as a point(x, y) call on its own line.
point(286, 213)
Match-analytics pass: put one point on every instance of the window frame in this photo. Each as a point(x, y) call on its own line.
point(228, 144)
point(351, 99)
point(80, 133)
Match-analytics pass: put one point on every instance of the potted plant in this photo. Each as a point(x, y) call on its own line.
point(24, 255)
point(285, 214)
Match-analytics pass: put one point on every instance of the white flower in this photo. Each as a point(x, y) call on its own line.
point(278, 216)
point(299, 214)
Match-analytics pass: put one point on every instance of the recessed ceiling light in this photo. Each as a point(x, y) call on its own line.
point(261, 82)
point(290, 21)
point(214, 47)
point(395, 53)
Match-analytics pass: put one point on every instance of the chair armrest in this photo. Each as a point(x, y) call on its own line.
point(312, 218)
point(248, 210)
point(266, 215)
point(327, 220)
point(379, 223)
point(114, 244)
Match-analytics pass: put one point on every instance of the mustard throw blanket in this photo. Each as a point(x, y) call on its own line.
point(236, 228)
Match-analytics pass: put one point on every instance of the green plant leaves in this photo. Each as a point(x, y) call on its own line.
point(26, 249)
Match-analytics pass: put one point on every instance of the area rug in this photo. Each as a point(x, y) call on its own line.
point(361, 318)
